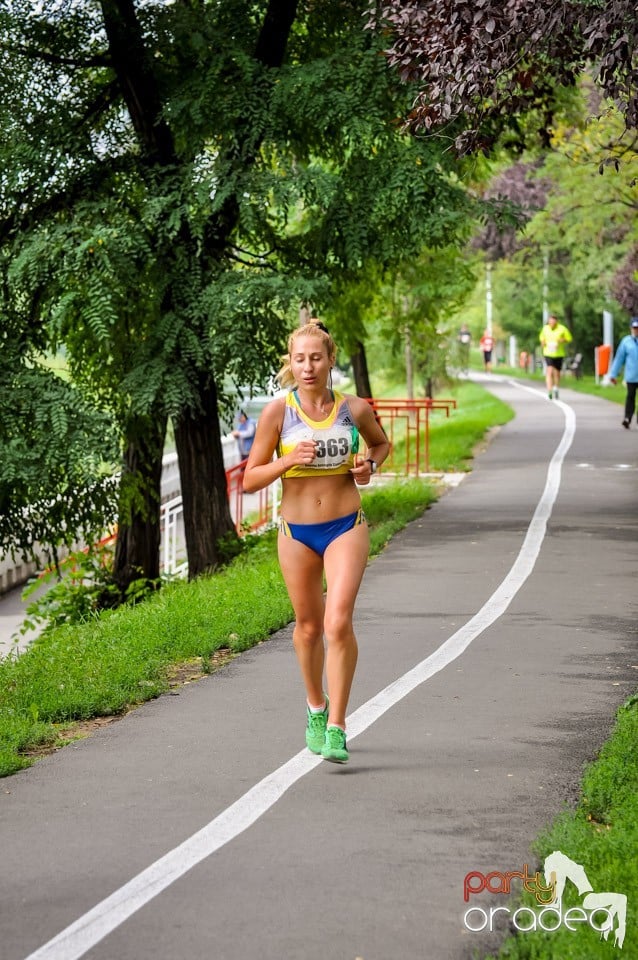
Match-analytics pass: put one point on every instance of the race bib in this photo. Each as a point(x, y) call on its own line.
point(334, 447)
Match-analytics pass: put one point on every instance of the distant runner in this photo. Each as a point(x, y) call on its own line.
point(554, 337)
point(486, 344)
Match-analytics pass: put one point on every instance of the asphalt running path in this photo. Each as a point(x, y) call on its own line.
point(497, 638)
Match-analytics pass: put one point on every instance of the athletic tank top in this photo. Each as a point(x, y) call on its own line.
point(337, 438)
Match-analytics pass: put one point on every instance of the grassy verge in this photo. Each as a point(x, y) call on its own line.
point(476, 411)
point(601, 835)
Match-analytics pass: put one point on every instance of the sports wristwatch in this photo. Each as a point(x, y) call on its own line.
point(373, 465)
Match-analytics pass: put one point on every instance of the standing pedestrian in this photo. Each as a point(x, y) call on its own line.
point(314, 434)
point(627, 357)
point(464, 340)
point(486, 344)
point(244, 433)
point(554, 337)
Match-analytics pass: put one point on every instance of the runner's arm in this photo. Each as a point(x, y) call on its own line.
point(376, 441)
point(261, 470)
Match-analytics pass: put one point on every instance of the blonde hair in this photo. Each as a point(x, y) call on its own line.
point(313, 328)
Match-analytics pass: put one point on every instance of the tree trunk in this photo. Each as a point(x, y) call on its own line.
point(207, 515)
point(360, 371)
point(137, 550)
point(304, 314)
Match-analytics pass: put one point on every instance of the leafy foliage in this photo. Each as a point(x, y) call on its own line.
point(301, 158)
point(522, 190)
point(478, 63)
point(85, 588)
point(578, 216)
point(412, 307)
point(625, 283)
point(55, 445)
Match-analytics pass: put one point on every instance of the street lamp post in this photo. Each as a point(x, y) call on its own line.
point(488, 298)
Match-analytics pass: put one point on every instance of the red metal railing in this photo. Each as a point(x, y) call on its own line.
point(409, 420)
point(259, 508)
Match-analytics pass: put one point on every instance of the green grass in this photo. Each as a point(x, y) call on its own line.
point(615, 394)
point(477, 411)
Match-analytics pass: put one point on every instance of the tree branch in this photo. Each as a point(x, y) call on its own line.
point(100, 104)
point(256, 256)
point(25, 213)
point(273, 36)
point(258, 262)
point(99, 60)
point(131, 62)
point(269, 51)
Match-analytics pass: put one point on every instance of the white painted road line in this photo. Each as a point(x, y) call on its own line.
point(78, 938)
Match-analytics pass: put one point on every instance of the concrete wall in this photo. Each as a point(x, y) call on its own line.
point(14, 573)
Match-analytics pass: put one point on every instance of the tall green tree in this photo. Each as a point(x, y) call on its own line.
point(186, 175)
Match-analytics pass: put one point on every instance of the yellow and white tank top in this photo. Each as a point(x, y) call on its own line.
point(337, 438)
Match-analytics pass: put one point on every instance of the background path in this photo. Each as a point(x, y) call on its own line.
point(366, 860)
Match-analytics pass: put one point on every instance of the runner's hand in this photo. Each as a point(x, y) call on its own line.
point(303, 453)
point(362, 471)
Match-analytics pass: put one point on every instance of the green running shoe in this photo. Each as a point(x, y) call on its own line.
point(316, 729)
point(334, 748)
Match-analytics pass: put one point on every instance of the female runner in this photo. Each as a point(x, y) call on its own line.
point(314, 432)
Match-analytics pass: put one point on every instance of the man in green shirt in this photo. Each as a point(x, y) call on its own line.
point(554, 337)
